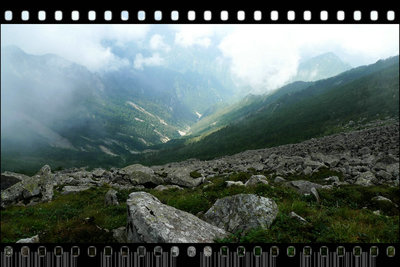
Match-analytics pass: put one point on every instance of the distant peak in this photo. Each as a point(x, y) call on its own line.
point(12, 49)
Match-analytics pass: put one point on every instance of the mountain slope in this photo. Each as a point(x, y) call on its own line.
point(320, 67)
point(58, 112)
point(327, 106)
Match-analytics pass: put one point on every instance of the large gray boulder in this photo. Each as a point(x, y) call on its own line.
point(35, 189)
point(242, 212)
point(181, 176)
point(150, 221)
point(137, 174)
point(8, 179)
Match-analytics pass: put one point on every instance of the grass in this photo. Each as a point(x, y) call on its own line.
point(63, 219)
point(340, 217)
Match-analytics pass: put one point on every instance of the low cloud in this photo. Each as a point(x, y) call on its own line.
point(267, 56)
point(190, 35)
point(157, 43)
point(82, 44)
point(263, 57)
point(140, 61)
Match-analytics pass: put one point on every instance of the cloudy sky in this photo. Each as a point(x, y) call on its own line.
point(262, 56)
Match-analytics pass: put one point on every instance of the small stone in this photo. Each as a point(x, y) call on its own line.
point(33, 239)
point(232, 183)
point(256, 179)
point(297, 217)
point(167, 187)
point(377, 212)
point(111, 197)
point(332, 179)
point(315, 194)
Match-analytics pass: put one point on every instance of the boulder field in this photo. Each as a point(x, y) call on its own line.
point(366, 157)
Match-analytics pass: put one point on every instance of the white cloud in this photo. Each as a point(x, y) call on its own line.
point(189, 35)
point(140, 61)
point(82, 44)
point(267, 56)
point(157, 43)
point(261, 56)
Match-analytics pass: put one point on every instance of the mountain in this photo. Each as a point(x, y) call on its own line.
point(320, 67)
point(297, 112)
point(58, 112)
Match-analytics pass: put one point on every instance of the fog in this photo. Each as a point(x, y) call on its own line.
point(38, 92)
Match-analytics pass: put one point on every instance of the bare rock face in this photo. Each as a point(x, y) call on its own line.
point(150, 221)
point(242, 212)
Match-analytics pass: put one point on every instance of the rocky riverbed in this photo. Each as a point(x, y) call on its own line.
point(368, 157)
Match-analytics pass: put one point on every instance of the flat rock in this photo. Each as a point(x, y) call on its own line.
point(150, 221)
point(242, 212)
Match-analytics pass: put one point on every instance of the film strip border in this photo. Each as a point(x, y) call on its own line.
point(187, 16)
point(202, 255)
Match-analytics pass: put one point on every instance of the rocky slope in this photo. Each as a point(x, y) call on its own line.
point(365, 157)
